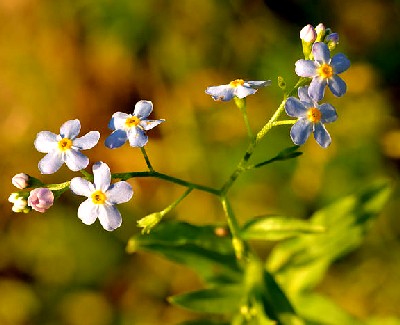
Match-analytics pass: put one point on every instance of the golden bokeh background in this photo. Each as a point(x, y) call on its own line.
point(86, 59)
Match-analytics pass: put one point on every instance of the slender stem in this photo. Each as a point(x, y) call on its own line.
point(146, 158)
point(125, 176)
point(237, 241)
point(284, 122)
point(177, 201)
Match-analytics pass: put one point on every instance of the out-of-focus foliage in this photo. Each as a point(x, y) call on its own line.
point(87, 59)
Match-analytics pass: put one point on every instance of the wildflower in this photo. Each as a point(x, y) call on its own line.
point(311, 118)
point(40, 199)
point(20, 180)
point(65, 147)
point(236, 88)
point(101, 197)
point(131, 127)
point(308, 34)
point(20, 204)
point(324, 71)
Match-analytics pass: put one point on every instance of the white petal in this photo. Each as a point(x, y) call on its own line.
point(70, 129)
point(50, 163)
point(118, 120)
point(137, 137)
point(119, 192)
point(109, 217)
point(143, 108)
point(81, 186)
point(102, 176)
point(75, 160)
point(88, 212)
point(88, 141)
point(46, 141)
point(149, 124)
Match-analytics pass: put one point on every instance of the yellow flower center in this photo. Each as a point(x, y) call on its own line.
point(237, 82)
point(98, 197)
point(65, 144)
point(314, 115)
point(325, 71)
point(132, 121)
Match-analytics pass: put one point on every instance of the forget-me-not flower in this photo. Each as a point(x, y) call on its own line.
point(236, 88)
point(324, 71)
point(131, 127)
point(65, 147)
point(101, 197)
point(311, 118)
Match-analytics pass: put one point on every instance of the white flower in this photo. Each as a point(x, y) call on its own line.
point(65, 147)
point(101, 197)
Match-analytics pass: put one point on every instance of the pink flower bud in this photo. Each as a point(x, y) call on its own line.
point(20, 180)
point(40, 199)
point(308, 34)
point(320, 28)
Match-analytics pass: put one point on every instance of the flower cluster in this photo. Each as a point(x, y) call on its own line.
point(319, 69)
point(66, 147)
point(323, 71)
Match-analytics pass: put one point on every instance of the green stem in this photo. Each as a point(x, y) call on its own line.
point(284, 122)
point(177, 201)
point(146, 158)
point(126, 176)
point(237, 241)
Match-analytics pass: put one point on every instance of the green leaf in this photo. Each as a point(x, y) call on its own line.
point(301, 262)
point(285, 154)
point(219, 300)
point(277, 228)
point(321, 310)
point(197, 247)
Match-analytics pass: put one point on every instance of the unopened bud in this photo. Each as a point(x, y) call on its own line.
point(20, 180)
point(320, 30)
point(308, 34)
point(148, 222)
point(332, 40)
point(20, 203)
point(40, 199)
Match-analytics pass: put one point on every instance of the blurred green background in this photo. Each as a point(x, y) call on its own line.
point(87, 59)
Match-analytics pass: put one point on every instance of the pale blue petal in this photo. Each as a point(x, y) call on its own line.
point(88, 212)
point(137, 137)
point(223, 92)
point(316, 89)
point(304, 96)
point(300, 131)
point(70, 129)
point(81, 186)
point(119, 192)
point(102, 176)
point(337, 86)
point(340, 63)
point(328, 113)
point(242, 91)
point(149, 124)
point(46, 141)
point(118, 120)
point(295, 108)
point(321, 135)
point(50, 163)
point(89, 140)
point(306, 68)
point(109, 217)
point(258, 84)
point(321, 52)
point(143, 108)
point(116, 139)
point(75, 160)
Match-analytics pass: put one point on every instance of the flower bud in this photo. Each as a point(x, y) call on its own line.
point(332, 40)
point(19, 203)
point(20, 180)
point(308, 34)
point(40, 199)
point(320, 30)
point(148, 222)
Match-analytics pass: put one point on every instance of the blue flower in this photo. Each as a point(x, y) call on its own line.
point(101, 197)
point(131, 127)
point(236, 88)
point(311, 118)
point(324, 71)
point(65, 147)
